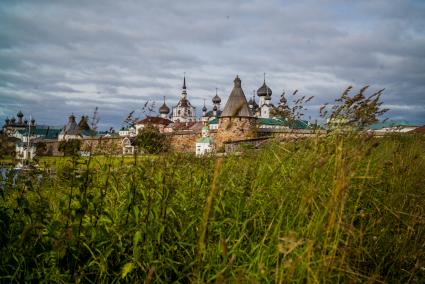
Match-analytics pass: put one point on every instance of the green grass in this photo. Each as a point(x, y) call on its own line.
point(328, 209)
point(6, 159)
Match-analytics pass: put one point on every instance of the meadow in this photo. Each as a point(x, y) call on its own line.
point(340, 208)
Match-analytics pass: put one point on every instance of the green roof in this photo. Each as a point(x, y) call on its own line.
point(214, 121)
point(45, 133)
point(204, 140)
point(390, 123)
point(271, 121)
point(296, 124)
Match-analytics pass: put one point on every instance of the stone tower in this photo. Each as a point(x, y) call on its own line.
point(236, 121)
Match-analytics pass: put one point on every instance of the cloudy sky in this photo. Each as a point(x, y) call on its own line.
point(63, 57)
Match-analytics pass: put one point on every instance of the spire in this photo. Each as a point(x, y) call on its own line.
point(184, 80)
point(204, 109)
point(264, 77)
point(184, 92)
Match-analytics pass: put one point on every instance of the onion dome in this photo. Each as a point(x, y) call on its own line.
point(20, 114)
point(25, 121)
point(254, 105)
point(13, 120)
point(33, 121)
point(164, 109)
point(264, 90)
point(215, 108)
point(216, 99)
point(250, 102)
point(7, 120)
point(204, 108)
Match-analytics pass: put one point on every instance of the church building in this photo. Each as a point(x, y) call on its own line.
point(184, 111)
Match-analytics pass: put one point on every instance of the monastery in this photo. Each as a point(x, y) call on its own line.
point(240, 120)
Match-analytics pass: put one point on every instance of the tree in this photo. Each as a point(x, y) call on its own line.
point(356, 111)
point(41, 148)
point(70, 147)
point(150, 140)
point(294, 113)
point(7, 145)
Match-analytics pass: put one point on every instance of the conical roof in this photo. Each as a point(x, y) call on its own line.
point(236, 105)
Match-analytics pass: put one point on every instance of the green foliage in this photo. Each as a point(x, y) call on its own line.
point(291, 114)
point(70, 147)
point(328, 209)
point(150, 140)
point(7, 148)
point(41, 148)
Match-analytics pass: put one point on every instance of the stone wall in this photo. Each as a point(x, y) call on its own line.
point(103, 145)
point(234, 128)
point(97, 146)
point(183, 141)
point(52, 148)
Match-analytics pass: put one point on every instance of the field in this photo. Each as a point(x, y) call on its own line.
point(329, 209)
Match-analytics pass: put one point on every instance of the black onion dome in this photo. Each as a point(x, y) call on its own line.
point(33, 121)
point(216, 99)
point(215, 108)
point(20, 114)
point(164, 109)
point(7, 120)
point(250, 102)
point(264, 90)
point(204, 108)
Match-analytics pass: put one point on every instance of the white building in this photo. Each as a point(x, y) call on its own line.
point(265, 105)
point(184, 111)
point(25, 152)
point(204, 145)
point(128, 132)
point(127, 147)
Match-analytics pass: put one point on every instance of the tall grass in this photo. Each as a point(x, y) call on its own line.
point(329, 209)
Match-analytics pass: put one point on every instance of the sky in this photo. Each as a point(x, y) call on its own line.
point(68, 57)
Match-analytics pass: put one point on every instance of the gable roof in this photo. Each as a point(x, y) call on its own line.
point(154, 120)
point(236, 105)
point(418, 130)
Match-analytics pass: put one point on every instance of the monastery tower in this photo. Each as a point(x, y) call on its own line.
point(236, 121)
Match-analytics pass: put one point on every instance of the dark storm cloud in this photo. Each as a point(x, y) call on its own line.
point(58, 58)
